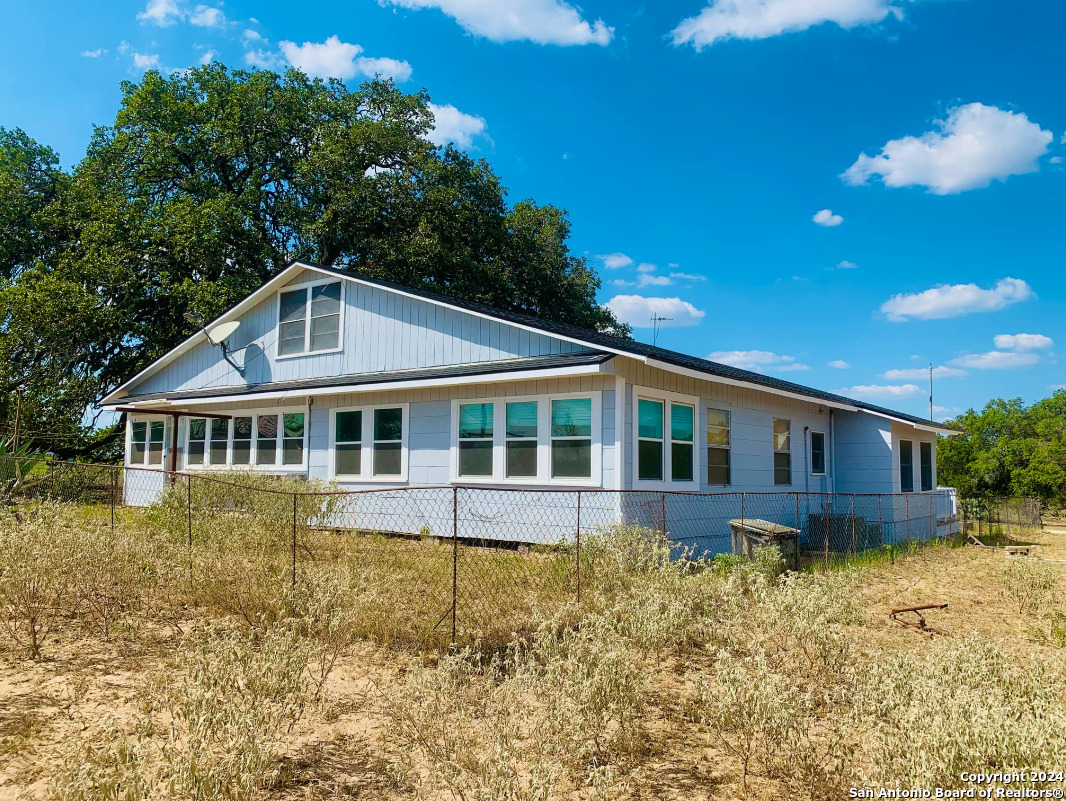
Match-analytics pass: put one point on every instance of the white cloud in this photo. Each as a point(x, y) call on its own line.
point(1023, 341)
point(954, 300)
point(452, 125)
point(974, 146)
point(250, 35)
point(208, 57)
point(541, 21)
point(637, 311)
point(847, 265)
point(687, 276)
point(615, 261)
point(922, 373)
point(622, 282)
point(644, 267)
point(757, 360)
point(161, 12)
point(826, 218)
point(881, 391)
point(94, 53)
point(761, 19)
point(207, 17)
point(336, 59)
point(839, 364)
point(262, 59)
point(146, 61)
point(651, 279)
point(997, 360)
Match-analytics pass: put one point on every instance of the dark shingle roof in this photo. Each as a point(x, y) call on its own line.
point(595, 338)
point(386, 377)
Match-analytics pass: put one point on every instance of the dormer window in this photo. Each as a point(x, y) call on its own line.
point(309, 319)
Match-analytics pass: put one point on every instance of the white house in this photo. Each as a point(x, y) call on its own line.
point(371, 384)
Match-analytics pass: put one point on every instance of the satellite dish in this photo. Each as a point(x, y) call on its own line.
point(223, 331)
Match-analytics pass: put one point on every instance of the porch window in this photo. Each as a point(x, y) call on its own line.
point(309, 319)
point(906, 466)
point(147, 439)
point(242, 440)
point(266, 439)
point(521, 447)
point(925, 454)
point(293, 444)
point(475, 439)
point(246, 439)
point(571, 438)
point(718, 448)
point(219, 440)
point(388, 442)
point(348, 443)
point(782, 452)
point(817, 453)
point(197, 440)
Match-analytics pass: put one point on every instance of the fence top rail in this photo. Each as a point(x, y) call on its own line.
point(206, 477)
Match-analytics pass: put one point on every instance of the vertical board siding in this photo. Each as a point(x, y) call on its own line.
point(381, 331)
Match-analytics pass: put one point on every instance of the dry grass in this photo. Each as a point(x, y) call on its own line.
point(162, 672)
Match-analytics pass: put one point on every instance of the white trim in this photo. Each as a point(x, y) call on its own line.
point(706, 462)
point(355, 389)
point(276, 468)
point(544, 441)
point(307, 286)
point(774, 450)
point(667, 482)
point(619, 431)
point(148, 419)
point(366, 455)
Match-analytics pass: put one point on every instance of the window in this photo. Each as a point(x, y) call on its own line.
point(242, 440)
point(266, 439)
point(348, 443)
point(309, 319)
point(925, 454)
point(475, 439)
point(571, 438)
point(906, 466)
point(219, 440)
point(666, 440)
point(782, 452)
point(388, 442)
point(650, 439)
point(717, 447)
point(682, 420)
point(521, 435)
point(246, 439)
point(817, 453)
point(148, 442)
point(293, 444)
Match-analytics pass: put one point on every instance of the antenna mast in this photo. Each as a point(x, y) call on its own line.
point(930, 392)
point(655, 321)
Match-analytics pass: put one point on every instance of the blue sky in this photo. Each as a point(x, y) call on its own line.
point(839, 192)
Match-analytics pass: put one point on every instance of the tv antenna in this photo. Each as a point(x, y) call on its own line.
point(656, 321)
point(930, 392)
point(219, 335)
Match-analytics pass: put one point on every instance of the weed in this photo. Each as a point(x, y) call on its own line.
point(1030, 582)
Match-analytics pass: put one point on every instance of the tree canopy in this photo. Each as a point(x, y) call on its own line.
point(1008, 449)
point(208, 183)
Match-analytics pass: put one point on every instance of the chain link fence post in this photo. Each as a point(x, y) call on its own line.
point(455, 558)
point(114, 494)
point(852, 525)
point(294, 500)
point(907, 507)
point(188, 506)
point(578, 548)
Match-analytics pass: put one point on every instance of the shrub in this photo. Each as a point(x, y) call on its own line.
point(1030, 582)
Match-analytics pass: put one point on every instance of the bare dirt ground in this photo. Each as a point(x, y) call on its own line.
point(344, 746)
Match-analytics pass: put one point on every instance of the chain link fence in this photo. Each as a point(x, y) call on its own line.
point(451, 562)
point(994, 517)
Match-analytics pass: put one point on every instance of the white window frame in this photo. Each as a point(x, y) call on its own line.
point(698, 428)
point(544, 441)
point(825, 453)
point(774, 451)
point(148, 419)
point(727, 448)
point(307, 286)
point(277, 467)
point(366, 455)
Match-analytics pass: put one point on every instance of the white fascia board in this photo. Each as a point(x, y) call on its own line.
point(917, 426)
point(381, 386)
point(688, 371)
point(200, 336)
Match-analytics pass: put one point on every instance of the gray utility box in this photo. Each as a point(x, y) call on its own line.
point(749, 534)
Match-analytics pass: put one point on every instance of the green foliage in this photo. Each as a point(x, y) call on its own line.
point(1009, 449)
point(207, 184)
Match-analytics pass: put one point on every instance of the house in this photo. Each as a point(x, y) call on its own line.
point(371, 385)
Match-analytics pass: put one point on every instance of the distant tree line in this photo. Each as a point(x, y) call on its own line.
point(1009, 449)
point(207, 184)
